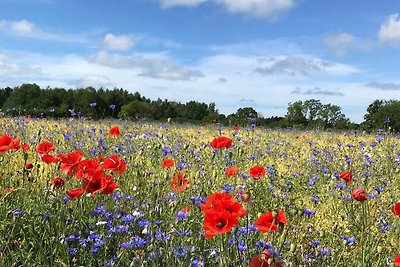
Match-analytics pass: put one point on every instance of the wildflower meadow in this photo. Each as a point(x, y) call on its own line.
point(78, 192)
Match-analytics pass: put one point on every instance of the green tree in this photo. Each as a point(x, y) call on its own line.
point(295, 114)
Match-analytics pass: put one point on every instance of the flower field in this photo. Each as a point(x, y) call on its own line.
point(117, 193)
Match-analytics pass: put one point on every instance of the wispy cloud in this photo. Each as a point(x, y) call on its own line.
point(184, 3)
point(150, 66)
point(299, 65)
point(27, 29)
point(390, 29)
point(253, 8)
point(384, 86)
point(316, 91)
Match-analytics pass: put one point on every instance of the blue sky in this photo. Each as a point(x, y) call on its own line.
point(236, 53)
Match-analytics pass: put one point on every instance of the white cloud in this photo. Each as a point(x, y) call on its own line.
point(254, 8)
point(339, 43)
point(11, 66)
point(23, 27)
point(299, 65)
point(95, 81)
point(148, 66)
point(27, 29)
point(390, 29)
point(384, 86)
point(257, 8)
point(185, 3)
point(117, 42)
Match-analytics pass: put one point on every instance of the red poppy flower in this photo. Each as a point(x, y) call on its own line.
point(58, 182)
point(266, 222)
point(231, 171)
point(257, 171)
point(359, 194)
point(179, 183)
point(347, 176)
point(96, 183)
point(396, 209)
point(235, 128)
point(86, 168)
point(114, 163)
point(114, 131)
point(69, 162)
point(223, 202)
point(186, 209)
point(262, 261)
point(45, 148)
point(221, 142)
point(216, 223)
point(7, 143)
point(49, 159)
point(168, 163)
point(110, 185)
point(75, 193)
point(397, 260)
point(25, 147)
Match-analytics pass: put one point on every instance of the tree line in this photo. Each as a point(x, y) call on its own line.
point(30, 99)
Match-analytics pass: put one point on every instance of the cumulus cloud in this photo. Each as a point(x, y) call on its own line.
point(254, 8)
point(13, 69)
point(148, 66)
point(384, 86)
point(390, 29)
point(299, 65)
point(315, 91)
point(117, 42)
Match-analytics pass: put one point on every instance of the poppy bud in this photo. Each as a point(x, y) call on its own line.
point(274, 214)
point(379, 249)
point(292, 247)
point(270, 260)
point(359, 194)
point(28, 165)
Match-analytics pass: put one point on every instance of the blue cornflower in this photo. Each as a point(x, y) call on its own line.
point(315, 243)
point(72, 251)
point(181, 165)
point(72, 238)
point(112, 106)
point(93, 104)
point(143, 223)
point(242, 246)
point(308, 212)
point(182, 215)
point(99, 243)
point(127, 218)
point(17, 212)
point(46, 216)
point(349, 240)
point(228, 188)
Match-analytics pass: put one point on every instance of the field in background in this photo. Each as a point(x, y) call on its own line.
point(153, 217)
